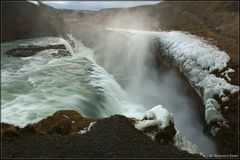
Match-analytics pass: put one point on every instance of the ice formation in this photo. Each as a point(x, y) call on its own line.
point(182, 143)
point(197, 59)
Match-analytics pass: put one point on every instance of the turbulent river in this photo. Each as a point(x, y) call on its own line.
point(118, 80)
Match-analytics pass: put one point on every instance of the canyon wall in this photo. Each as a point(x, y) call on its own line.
point(26, 20)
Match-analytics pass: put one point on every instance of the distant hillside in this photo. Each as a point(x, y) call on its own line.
point(26, 20)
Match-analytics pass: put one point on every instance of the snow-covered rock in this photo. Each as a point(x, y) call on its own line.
point(212, 112)
point(197, 60)
point(34, 2)
point(86, 129)
point(158, 124)
point(156, 116)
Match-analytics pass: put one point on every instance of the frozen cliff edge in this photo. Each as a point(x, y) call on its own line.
point(197, 60)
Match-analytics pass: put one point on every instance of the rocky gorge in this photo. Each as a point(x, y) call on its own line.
point(153, 134)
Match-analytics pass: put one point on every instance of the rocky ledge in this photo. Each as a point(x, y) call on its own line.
point(66, 134)
point(26, 51)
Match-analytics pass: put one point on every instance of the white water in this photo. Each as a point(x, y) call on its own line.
point(35, 87)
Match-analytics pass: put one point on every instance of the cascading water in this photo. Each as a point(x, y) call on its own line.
point(127, 55)
point(37, 86)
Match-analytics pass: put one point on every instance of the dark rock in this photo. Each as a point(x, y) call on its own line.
point(8, 130)
point(28, 130)
point(25, 20)
point(166, 135)
point(61, 53)
point(63, 127)
point(29, 50)
point(21, 53)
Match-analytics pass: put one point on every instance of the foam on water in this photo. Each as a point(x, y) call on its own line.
point(36, 87)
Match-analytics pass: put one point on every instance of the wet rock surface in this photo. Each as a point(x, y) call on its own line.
point(30, 50)
point(114, 137)
point(61, 53)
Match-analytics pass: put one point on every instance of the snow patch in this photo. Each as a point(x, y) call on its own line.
point(34, 2)
point(66, 116)
point(86, 129)
point(225, 99)
point(225, 73)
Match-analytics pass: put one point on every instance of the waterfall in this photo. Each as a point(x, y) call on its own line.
point(35, 87)
point(119, 76)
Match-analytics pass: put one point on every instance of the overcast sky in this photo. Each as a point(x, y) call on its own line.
point(96, 5)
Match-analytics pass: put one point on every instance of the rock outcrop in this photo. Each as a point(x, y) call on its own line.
point(63, 122)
